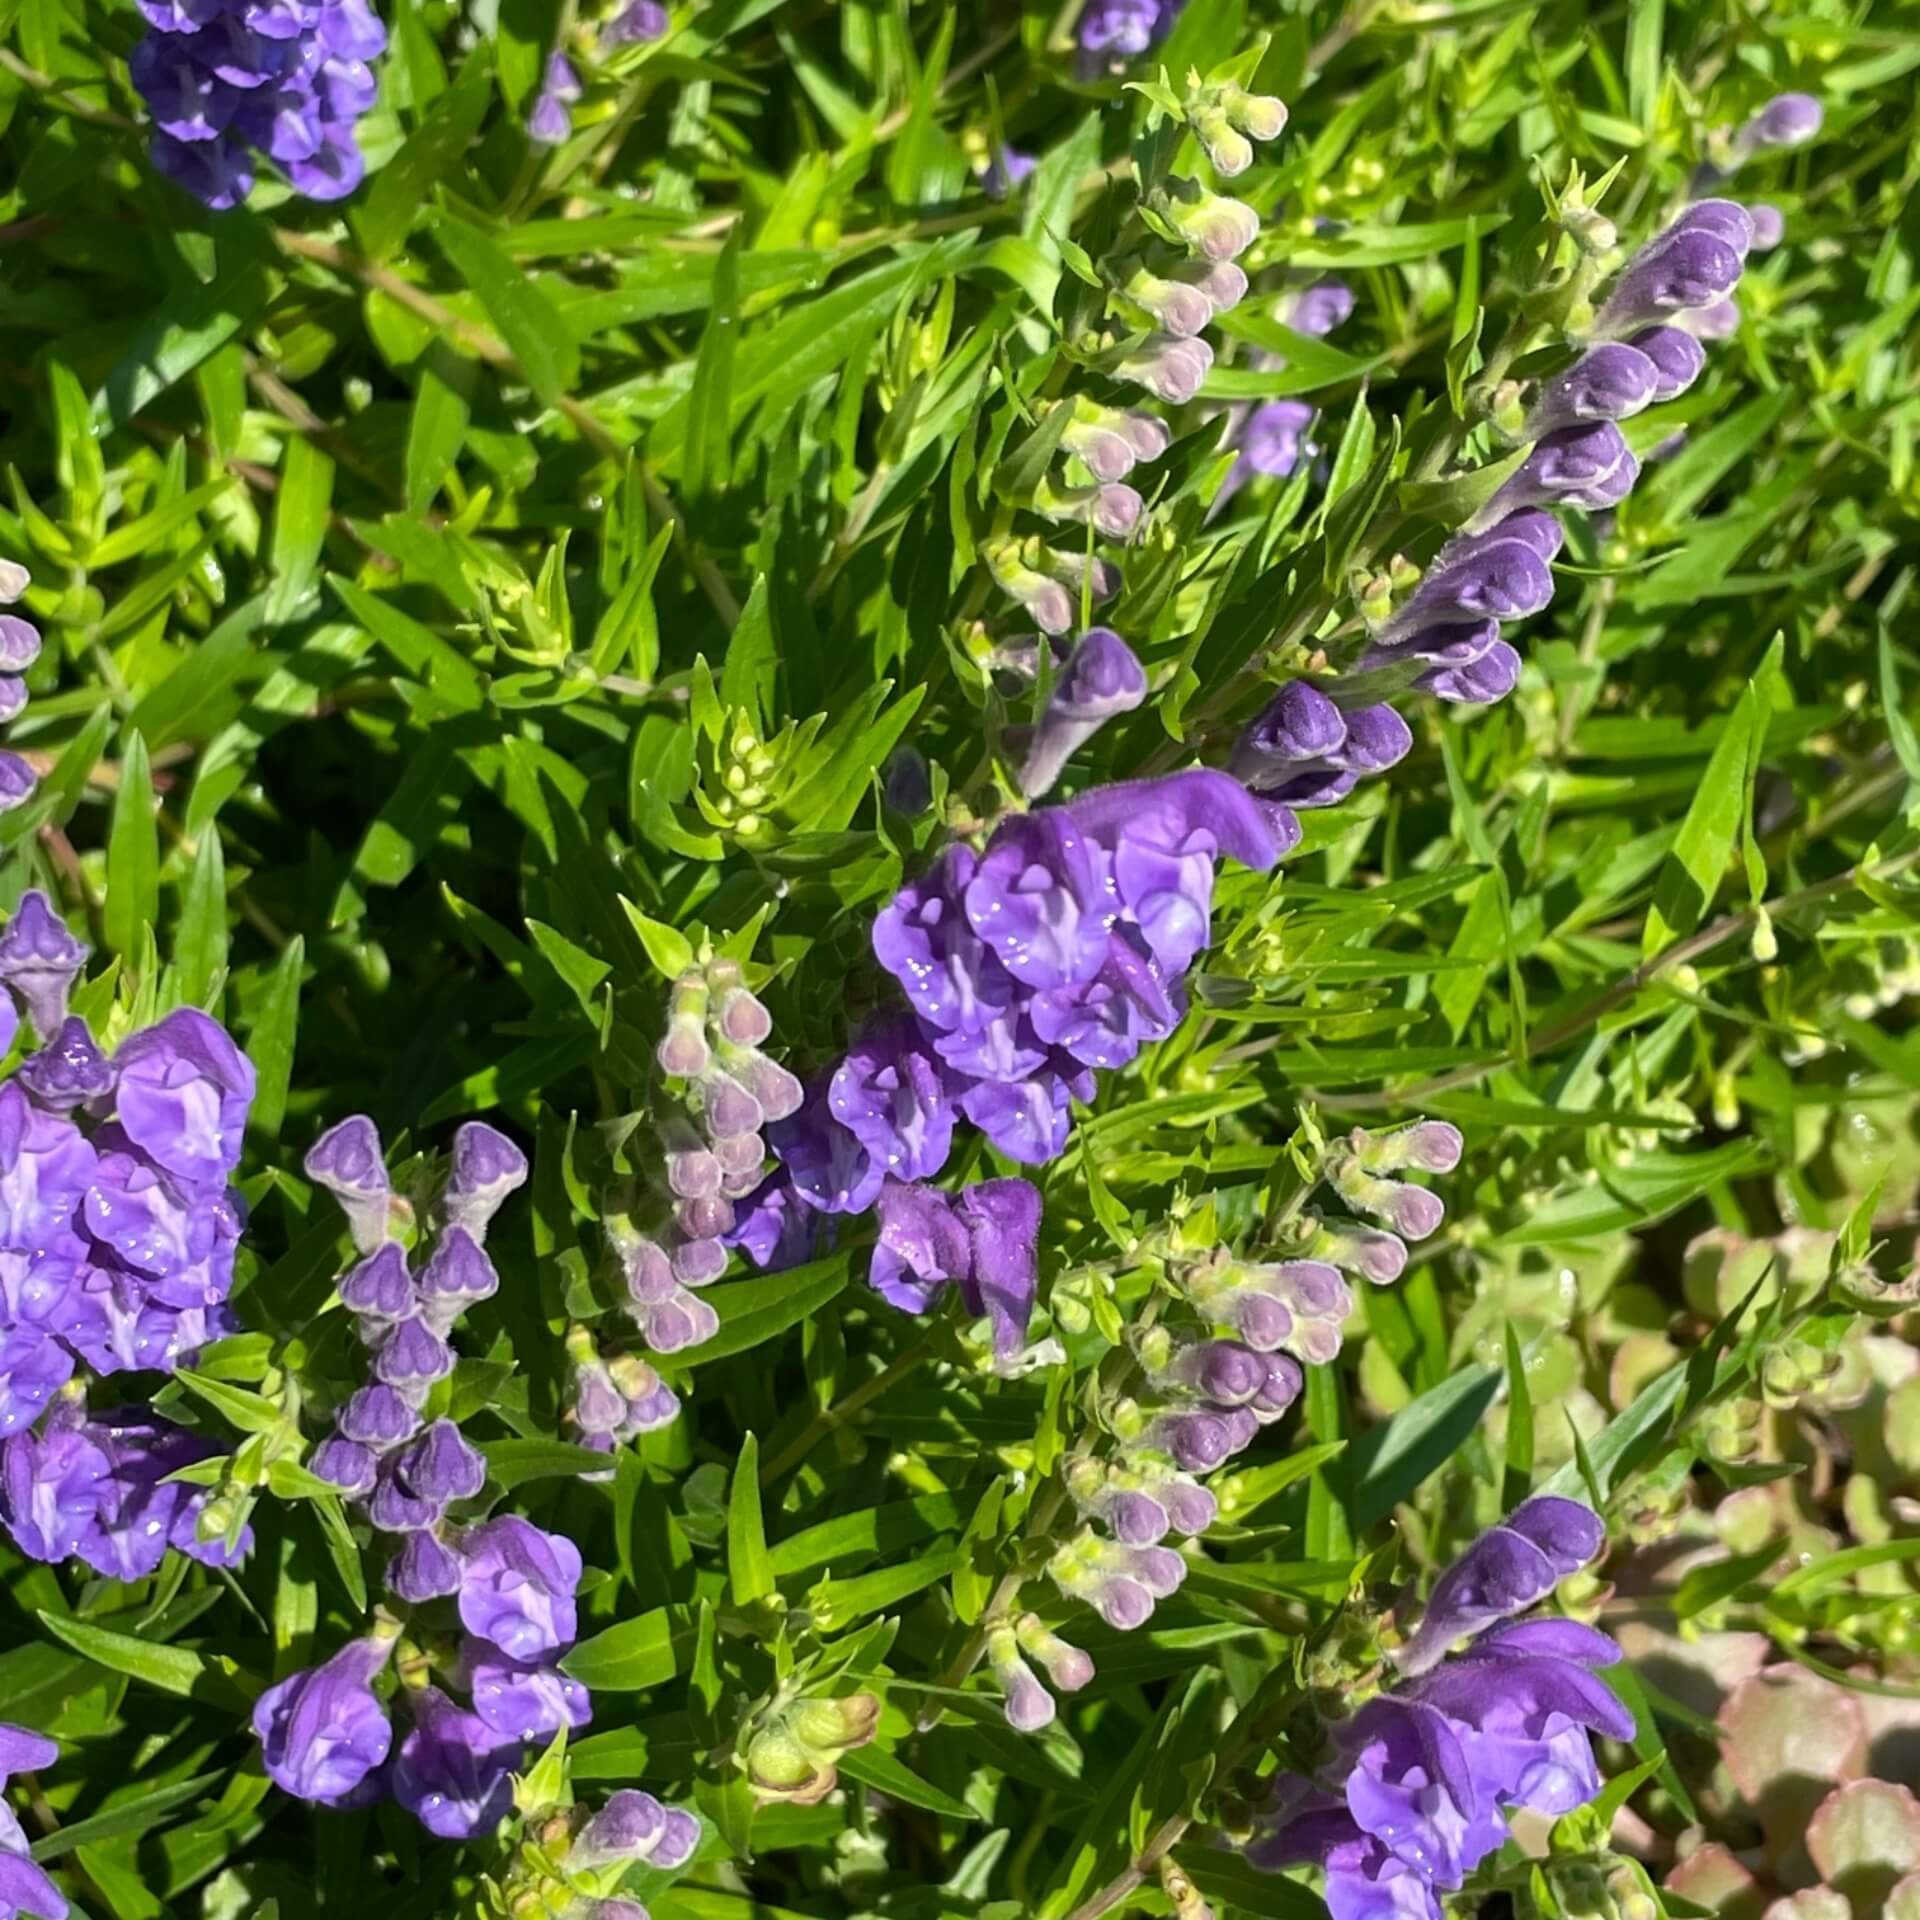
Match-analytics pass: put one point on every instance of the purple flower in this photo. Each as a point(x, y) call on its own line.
point(183, 1094)
point(348, 1162)
point(50, 1490)
point(1769, 225)
point(1787, 120)
point(379, 1289)
point(1102, 678)
point(1035, 900)
point(1004, 170)
point(1694, 263)
point(893, 1094)
point(413, 1358)
point(1612, 381)
point(348, 1464)
point(424, 1569)
point(1124, 26)
point(1298, 726)
point(550, 122)
point(68, 1072)
point(1106, 1022)
point(378, 1417)
point(1316, 310)
point(46, 1164)
point(1171, 367)
point(33, 1369)
point(141, 1512)
point(323, 1731)
point(517, 1587)
point(986, 1241)
point(487, 1166)
point(1677, 359)
point(452, 1773)
point(1271, 440)
point(457, 1275)
point(24, 1887)
point(830, 1167)
point(1588, 466)
point(634, 1827)
point(1506, 1571)
point(39, 958)
point(522, 1701)
point(642, 20)
point(441, 1465)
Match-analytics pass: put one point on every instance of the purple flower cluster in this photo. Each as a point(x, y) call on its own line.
point(1315, 739)
point(714, 1153)
point(226, 79)
point(19, 649)
point(613, 1398)
point(24, 1887)
point(410, 1472)
point(1419, 1783)
point(1056, 951)
point(116, 1238)
point(325, 1734)
point(1027, 1704)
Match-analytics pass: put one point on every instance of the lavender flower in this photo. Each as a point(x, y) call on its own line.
point(635, 24)
point(453, 1772)
point(347, 1161)
point(1102, 678)
point(1787, 120)
point(1588, 466)
point(39, 962)
point(1419, 1783)
point(551, 121)
point(1769, 225)
point(1613, 381)
point(1124, 26)
point(1316, 310)
point(522, 1701)
point(287, 78)
point(1694, 263)
point(323, 1731)
point(24, 1887)
point(633, 1827)
point(487, 1167)
point(1004, 170)
point(985, 1241)
point(517, 1587)
point(1677, 359)
point(68, 1071)
point(1171, 367)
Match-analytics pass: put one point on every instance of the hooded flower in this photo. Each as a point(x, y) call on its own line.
point(517, 1587)
point(39, 959)
point(323, 1731)
point(1100, 679)
point(347, 1161)
point(183, 1094)
point(985, 1241)
point(453, 1773)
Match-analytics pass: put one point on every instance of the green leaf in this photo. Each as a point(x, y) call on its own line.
point(748, 1571)
point(1906, 745)
point(175, 1670)
point(200, 943)
point(876, 1768)
point(300, 516)
point(191, 324)
point(527, 319)
point(137, 1815)
point(1691, 875)
point(512, 1463)
point(667, 947)
point(1391, 1461)
point(1517, 1481)
point(627, 1658)
point(437, 425)
point(709, 452)
point(401, 190)
point(755, 1311)
point(270, 1040)
point(133, 855)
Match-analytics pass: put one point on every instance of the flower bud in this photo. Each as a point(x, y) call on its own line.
point(1180, 308)
point(1693, 264)
point(779, 1767)
point(1588, 466)
point(678, 1321)
point(1223, 284)
point(741, 1018)
point(698, 1263)
point(1787, 120)
point(1102, 678)
point(1212, 225)
point(1613, 381)
point(726, 1106)
point(1676, 357)
point(346, 1159)
point(1172, 369)
point(1229, 149)
point(1067, 1666)
point(1769, 225)
point(1027, 1704)
point(1374, 1255)
point(1259, 115)
point(1434, 1146)
point(1720, 321)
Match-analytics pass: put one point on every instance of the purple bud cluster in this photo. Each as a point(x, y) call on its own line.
point(1418, 1785)
point(714, 1154)
point(19, 649)
point(550, 119)
point(226, 79)
point(24, 1886)
point(1010, 1647)
point(409, 1472)
point(613, 1397)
